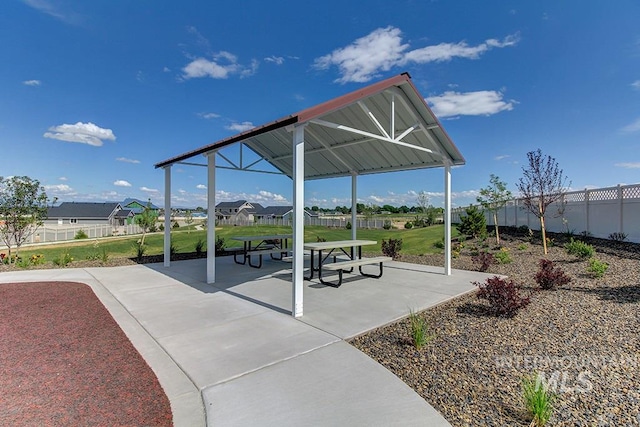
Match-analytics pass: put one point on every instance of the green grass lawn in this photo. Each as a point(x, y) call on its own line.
point(415, 241)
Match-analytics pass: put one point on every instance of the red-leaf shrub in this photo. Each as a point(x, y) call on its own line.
point(392, 247)
point(503, 296)
point(483, 261)
point(549, 277)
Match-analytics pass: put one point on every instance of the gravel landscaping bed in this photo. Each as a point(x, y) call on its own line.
point(583, 337)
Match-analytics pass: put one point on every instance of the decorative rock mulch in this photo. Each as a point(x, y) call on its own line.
point(582, 337)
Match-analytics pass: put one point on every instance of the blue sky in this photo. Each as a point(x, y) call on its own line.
point(94, 93)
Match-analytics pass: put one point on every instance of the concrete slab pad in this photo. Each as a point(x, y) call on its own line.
point(216, 354)
point(335, 385)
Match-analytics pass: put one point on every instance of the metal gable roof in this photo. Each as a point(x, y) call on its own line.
point(352, 134)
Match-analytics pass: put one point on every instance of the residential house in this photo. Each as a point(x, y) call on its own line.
point(237, 212)
point(83, 213)
point(280, 213)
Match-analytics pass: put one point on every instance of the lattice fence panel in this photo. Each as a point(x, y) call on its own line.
point(631, 192)
point(575, 197)
point(604, 194)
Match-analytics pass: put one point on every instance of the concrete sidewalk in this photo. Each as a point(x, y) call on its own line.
point(232, 355)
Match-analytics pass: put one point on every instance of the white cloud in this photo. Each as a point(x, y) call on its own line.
point(383, 49)
point(628, 165)
point(121, 183)
point(269, 196)
point(84, 133)
point(126, 160)
point(166, 70)
point(60, 190)
point(222, 65)
point(501, 157)
point(636, 85)
point(632, 127)
point(32, 82)
point(279, 60)
point(63, 178)
point(209, 115)
point(149, 190)
point(46, 6)
point(240, 127)
point(480, 103)
point(201, 187)
point(363, 59)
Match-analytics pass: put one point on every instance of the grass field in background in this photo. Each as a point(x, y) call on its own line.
point(415, 241)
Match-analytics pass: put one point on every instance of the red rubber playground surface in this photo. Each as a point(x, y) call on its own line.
point(65, 361)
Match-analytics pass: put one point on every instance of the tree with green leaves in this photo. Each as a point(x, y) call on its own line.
point(493, 198)
point(23, 208)
point(145, 220)
point(543, 183)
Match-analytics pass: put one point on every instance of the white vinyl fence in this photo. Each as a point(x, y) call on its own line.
point(338, 222)
point(598, 212)
point(54, 233)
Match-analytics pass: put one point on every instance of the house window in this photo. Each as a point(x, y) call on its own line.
point(73, 221)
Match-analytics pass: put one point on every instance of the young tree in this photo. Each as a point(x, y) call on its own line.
point(493, 198)
point(145, 220)
point(543, 183)
point(23, 208)
point(473, 223)
point(188, 218)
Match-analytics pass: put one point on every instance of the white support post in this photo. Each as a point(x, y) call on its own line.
point(211, 217)
point(298, 222)
point(354, 206)
point(447, 220)
point(167, 216)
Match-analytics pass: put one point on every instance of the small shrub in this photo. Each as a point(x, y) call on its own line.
point(597, 268)
point(161, 227)
point(320, 239)
point(483, 261)
point(175, 225)
point(579, 249)
point(36, 259)
point(81, 234)
point(537, 399)
point(200, 246)
point(523, 247)
point(550, 242)
point(220, 245)
point(387, 224)
point(173, 250)
point(473, 223)
point(348, 226)
point(104, 256)
point(503, 256)
point(139, 249)
point(392, 247)
point(439, 244)
point(63, 260)
point(549, 277)
point(419, 330)
point(408, 225)
point(503, 296)
point(618, 237)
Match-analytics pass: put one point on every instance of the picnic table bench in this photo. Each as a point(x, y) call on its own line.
point(267, 245)
point(354, 255)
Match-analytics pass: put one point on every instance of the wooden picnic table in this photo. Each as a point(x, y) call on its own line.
point(267, 245)
point(354, 248)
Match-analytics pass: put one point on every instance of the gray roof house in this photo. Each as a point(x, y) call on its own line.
point(73, 213)
point(280, 212)
point(236, 212)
